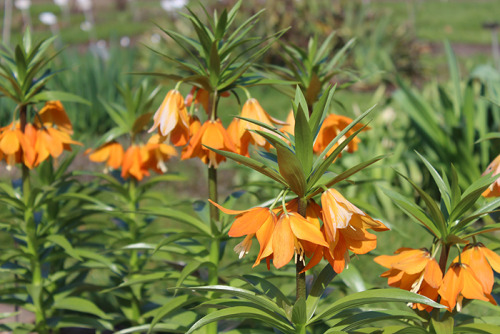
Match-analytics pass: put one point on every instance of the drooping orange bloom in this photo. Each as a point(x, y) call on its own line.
point(241, 142)
point(460, 282)
point(288, 236)
point(345, 229)
point(50, 141)
point(252, 110)
point(159, 153)
point(16, 146)
point(211, 134)
point(332, 126)
point(172, 119)
point(134, 162)
point(289, 126)
point(482, 262)
point(257, 221)
point(111, 152)
point(494, 189)
point(53, 114)
point(414, 270)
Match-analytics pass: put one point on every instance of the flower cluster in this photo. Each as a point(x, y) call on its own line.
point(49, 135)
point(329, 231)
point(469, 276)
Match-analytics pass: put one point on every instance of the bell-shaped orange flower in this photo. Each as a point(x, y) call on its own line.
point(201, 96)
point(172, 119)
point(252, 110)
point(134, 162)
point(494, 189)
point(53, 114)
point(211, 134)
point(413, 270)
point(50, 141)
point(159, 153)
point(460, 282)
point(16, 146)
point(332, 126)
point(482, 262)
point(257, 221)
point(111, 152)
point(289, 126)
point(241, 141)
point(289, 232)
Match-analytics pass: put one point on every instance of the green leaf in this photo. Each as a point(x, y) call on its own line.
point(299, 313)
point(80, 305)
point(320, 284)
point(61, 96)
point(484, 229)
point(369, 317)
point(180, 216)
point(373, 297)
point(319, 109)
point(191, 267)
point(214, 64)
point(443, 188)
point(303, 138)
point(443, 326)
point(244, 312)
point(171, 306)
point(270, 290)
point(85, 322)
point(64, 244)
point(477, 328)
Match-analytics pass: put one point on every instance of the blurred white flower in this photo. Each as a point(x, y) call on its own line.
point(84, 5)
point(155, 38)
point(22, 4)
point(48, 18)
point(172, 5)
point(61, 3)
point(86, 26)
point(125, 41)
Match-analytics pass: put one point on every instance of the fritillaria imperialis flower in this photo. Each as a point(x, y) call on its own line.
point(332, 126)
point(460, 282)
point(172, 119)
point(414, 270)
point(241, 141)
point(111, 152)
point(16, 146)
point(482, 261)
point(211, 134)
point(51, 141)
point(201, 96)
point(252, 110)
point(494, 189)
point(53, 114)
point(289, 126)
point(158, 154)
point(134, 162)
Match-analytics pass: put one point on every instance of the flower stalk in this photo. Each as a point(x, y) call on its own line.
point(299, 266)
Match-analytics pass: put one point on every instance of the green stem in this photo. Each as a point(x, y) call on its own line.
point(299, 266)
point(213, 272)
point(443, 259)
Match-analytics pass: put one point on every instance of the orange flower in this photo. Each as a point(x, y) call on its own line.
point(241, 142)
point(201, 96)
point(134, 162)
point(494, 189)
point(332, 126)
point(50, 141)
point(53, 113)
point(16, 146)
point(252, 110)
point(111, 152)
point(460, 282)
point(289, 126)
point(172, 118)
point(158, 153)
point(288, 236)
point(257, 221)
point(481, 260)
point(414, 270)
point(211, 134)
point(345, 228)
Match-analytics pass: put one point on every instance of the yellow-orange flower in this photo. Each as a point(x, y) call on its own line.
point(413, 270)
point(53, 113)
point(158, 154)
point(257, 221)
point(460, 282)
point(252, 110)
point(134, 162)
point(482, 262)
point(494, 189)
point(16, 146)
point(241, 142)
point(111, 152)
point(172, 119)
point(201, 96)
point(211, 134)
point(288, 236)
point(332, 126)
point(50, 141)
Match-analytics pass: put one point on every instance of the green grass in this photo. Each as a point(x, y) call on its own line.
point(458, 20)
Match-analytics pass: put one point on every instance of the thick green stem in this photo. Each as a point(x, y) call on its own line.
point(213, 272)
point(443, 259)
point(299, 266)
